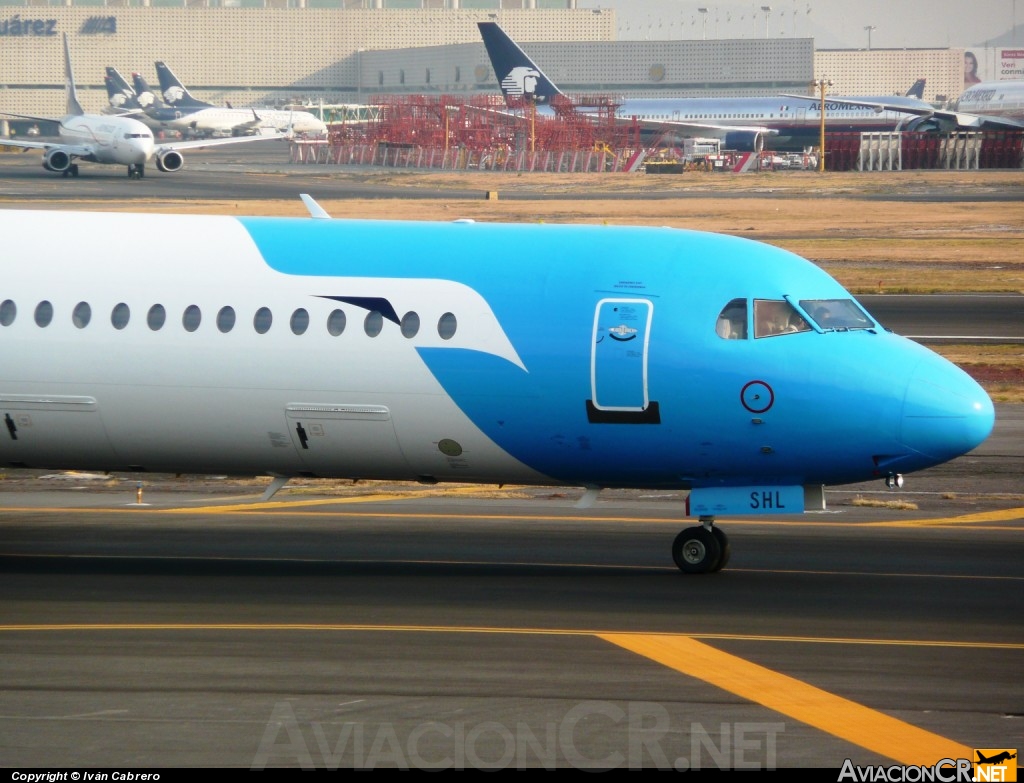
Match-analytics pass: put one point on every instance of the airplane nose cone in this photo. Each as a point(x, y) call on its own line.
point(945, 412)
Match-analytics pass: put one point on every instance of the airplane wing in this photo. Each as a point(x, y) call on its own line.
point(979, 121)
point(74, 150)
point(194, 144)
point(962, 120)
point(703, 126)
point(29, 117)
point(249, 125)
point(117, 111)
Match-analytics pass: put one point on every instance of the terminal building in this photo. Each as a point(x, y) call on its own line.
point(277, 52)
point(892, 71)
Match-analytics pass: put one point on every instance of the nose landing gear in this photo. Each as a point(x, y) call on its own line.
point(701, 550)
point(894, 481)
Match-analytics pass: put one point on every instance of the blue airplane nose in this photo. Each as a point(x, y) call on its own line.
point(945, 412)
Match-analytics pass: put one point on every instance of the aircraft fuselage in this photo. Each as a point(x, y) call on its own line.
point(112, 139)
point(452, 352)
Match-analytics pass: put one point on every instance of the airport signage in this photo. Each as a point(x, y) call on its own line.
point(1011, 64)
point(16, 26)
point(99, 25)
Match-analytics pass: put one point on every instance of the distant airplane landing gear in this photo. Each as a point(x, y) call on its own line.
point(894, 481)
point(701, 550)
point(70, 171)
point(136, 170)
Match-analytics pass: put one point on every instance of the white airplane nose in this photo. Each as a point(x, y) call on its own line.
point(143, 149)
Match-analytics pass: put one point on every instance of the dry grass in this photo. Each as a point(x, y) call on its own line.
point(346, 487)
point(873, 232)
point(897, 505)
point(998, 368)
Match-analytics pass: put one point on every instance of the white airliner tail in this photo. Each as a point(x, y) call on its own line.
point(73, 106)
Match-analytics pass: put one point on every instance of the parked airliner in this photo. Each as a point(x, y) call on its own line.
point(100, 138)
point(774, 122)
point(137, 101)
point(984, 106)
point(594, 356)
point(204, 118)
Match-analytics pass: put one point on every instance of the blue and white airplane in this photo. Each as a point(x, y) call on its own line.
point(137, 101)
point(782, 122)
point(984, 106)
point(202, 118)
point(592, 356)
point(101, 138)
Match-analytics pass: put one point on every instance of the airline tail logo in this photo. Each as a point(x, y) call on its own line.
point(521, 80)
point(995, 764)
point(145, 99)
point(173, 94)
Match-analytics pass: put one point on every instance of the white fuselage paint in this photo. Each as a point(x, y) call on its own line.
point(994, 99)
point(234, 402)
point(113, 139)
point(238, 121)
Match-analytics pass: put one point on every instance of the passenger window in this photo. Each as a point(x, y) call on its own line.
point(777, 316)
point(732, 321)
point(373, 324)
point(300, 321)
point(44, 313)
point(410, 324)
point(335, 323)
point(446, 326)
point(226, 319)
point(191, 318)
point(262, 320)
point(81, 315)
point(156, 317)
point(119, 315)
point(8, 312)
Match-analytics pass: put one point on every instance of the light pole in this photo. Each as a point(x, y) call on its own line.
point(869, 28)
point(821, 84)
point(767, 15)
point(703, 23)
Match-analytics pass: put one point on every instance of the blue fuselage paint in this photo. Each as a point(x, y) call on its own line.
point(848, 405)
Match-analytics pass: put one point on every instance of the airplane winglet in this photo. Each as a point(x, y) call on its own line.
point(315, 210)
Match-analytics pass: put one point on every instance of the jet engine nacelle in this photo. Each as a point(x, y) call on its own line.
point(744, 141)
point(56, 160)
point(170, 161)
point(928, 125)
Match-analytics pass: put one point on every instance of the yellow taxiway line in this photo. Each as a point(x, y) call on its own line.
point(863, 726)
point(688, 654)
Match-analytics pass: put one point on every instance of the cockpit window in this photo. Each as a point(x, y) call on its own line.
point(732, 321)
point(836, 314)
point(777, 316)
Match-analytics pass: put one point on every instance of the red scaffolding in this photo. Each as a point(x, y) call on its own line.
point(483, 131)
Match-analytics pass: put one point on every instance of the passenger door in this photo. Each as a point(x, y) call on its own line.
point(618, 366)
